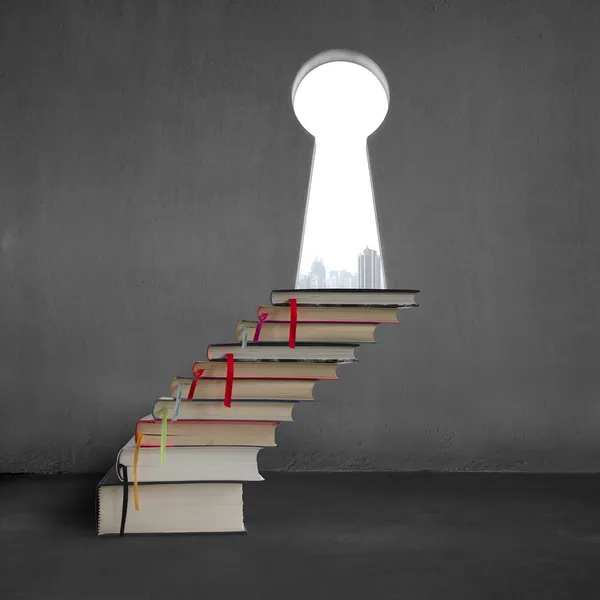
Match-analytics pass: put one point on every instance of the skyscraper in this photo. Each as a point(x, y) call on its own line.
point(303, 282)
point(318, 271)
point(369, 270)
point(345, 279)
point(334, 279)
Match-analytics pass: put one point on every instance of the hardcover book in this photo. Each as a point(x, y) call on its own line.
point(243, 389)
point(249, 369)
point(191, 463)
point(173, 507)
point(207, 433)
point(240, 410)
point(336, 333)
point(345, 297)
point(331, 314)
point(280, 351)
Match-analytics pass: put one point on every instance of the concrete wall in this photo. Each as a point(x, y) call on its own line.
point(152, 188)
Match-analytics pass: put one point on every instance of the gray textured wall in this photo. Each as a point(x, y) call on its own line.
point(152, 188)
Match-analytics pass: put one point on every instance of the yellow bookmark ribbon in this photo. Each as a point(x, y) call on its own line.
point(136, 456)
point(163, 437)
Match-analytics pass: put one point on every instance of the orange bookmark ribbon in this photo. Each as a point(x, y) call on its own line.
point(197, 375)
point(136, 456)
point(229, 380)
point(293, 322)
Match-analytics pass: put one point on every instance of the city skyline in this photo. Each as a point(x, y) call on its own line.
point(368, 274)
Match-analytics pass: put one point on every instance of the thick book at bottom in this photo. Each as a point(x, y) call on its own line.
point(173, 507)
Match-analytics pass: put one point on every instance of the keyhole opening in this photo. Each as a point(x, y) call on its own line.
point(340, 97)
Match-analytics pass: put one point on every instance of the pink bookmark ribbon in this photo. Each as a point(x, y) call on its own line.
point(261, 319)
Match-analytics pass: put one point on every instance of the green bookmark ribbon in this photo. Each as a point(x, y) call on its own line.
point(163, 436)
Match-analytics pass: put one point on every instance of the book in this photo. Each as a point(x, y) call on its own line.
point(338, 333)
point(269, 370)
point(271, 389)
point(345, 297)
point(170, 507)
point(280, 351)
point(192, 463)
point(329, 314)
point(207, 433)
point(240, 410)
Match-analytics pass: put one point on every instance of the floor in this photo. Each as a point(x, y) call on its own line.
point(316, 535)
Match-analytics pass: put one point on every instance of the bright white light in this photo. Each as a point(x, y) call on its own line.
point(341, 104)
point(340, 99)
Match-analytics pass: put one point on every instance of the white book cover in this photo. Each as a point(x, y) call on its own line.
point(192, 463)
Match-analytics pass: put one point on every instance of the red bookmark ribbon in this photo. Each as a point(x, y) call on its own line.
point(229, 380)
point(261, 319)
point(293, 322)
point(197, 375)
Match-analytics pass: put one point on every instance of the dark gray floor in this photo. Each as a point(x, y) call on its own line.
point(408, 536)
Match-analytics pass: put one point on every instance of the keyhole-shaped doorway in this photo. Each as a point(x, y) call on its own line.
point(340, 97)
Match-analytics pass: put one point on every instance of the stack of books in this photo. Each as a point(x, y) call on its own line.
point(183, 470)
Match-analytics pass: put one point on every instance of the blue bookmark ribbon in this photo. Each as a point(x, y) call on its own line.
point(177, 402)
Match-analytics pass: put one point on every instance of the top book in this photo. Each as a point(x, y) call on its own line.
point(345, 297)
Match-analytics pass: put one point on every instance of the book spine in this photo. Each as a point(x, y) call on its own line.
point(118, 462)
point(98, 510)
point(125, 500)
point(239, 328)
point(154, 409)
point(173, 386)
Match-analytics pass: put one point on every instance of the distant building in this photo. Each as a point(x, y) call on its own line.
point(315, 283)
point(334, 279)
point(303, 282)
point(318, 271)
point(345, 279)
point(354, 280)
point(369, 270)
